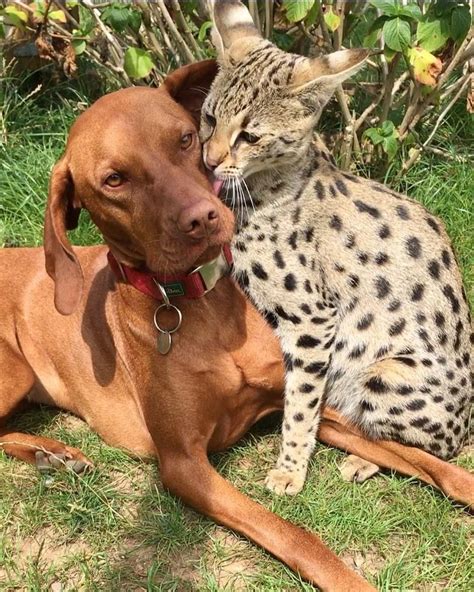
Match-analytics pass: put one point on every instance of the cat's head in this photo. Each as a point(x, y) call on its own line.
point(264, 102)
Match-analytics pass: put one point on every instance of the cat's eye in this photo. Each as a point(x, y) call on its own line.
point(211, 120)
point(186, 141)
point(248, 137)
point(114, 180)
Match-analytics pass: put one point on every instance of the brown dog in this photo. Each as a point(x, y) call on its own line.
point(133, 161)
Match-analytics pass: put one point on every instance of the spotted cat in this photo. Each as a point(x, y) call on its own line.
point(359, 281)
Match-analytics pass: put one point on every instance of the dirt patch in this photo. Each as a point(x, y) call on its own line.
point(233, 562)
point(370, 562)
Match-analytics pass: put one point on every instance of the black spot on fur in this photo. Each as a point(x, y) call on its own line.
point(302, 259)
point(394, 305)
point(417, 292)
point(413, 247)
point(279, 259)
point(434, 225)
point(363, 257)
point(381, 258)
point(307, 287)
point(292, 240)
point(365, 322)
point(395, 410)
point(240, 246)
point(384, 231)
point(397, 327)
point(286, 316)
point(434, 269)
point(382, 287)
point(306, 388)
point(307, 341)
point(403, 212)
point(446, 258)
point(335, 222)
point(350, 240)
point(309, 234)
point(358, 351)
point(377, 385)
point(416, 404)
point(305, 308)
point(363, 207)
point(449, 294)
point(353, 280)
point(320, 190)
point(298, 417)
point(419, 422)
point(290, 282)
point(366, 405)
point(405, 390)
point(439, 319)
point(319, 368)
point(312, 404)
point(405, 360)
point(341, 187)
point(259, 272)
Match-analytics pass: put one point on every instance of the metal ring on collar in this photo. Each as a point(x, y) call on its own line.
point(168, 306)
point(161, 288)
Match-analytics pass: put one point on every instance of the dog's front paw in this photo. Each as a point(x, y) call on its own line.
point(284, 482)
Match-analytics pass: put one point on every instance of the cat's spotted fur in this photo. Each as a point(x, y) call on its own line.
point(360, 282)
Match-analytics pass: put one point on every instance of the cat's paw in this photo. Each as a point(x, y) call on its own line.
point(284, 482)
point(356, 469)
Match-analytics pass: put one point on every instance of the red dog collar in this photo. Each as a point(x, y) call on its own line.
point(192, 285)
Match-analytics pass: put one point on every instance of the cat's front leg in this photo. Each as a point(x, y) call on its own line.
point(306, 368)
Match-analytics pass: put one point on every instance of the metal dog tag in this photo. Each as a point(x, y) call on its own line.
point(164, 342)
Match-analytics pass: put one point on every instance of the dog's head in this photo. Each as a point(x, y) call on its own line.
point(133, 160)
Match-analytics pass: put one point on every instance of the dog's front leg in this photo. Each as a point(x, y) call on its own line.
point(195, 481)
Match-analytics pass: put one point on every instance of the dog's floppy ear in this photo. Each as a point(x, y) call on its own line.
point(190, 84)
point(62, 265)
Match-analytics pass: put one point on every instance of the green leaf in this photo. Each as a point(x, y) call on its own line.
point(460, 22)
point(370, 40)
point(390, 146)
point(79, 46)
point(135, 20)
point(296, 10)
point(332, 19)
point(387, 7)
point(86, 21)
point(282, 40)
point(387, 129)
point(71, 4)
point(411, 11)
point(15, 16)
point(397, 34)
point(378, 23)
point(312, 15)
point(2, 31)
point(57, 15)
point(116, 17)
point(137, 62)
point(374, 136)
point(432, 33)
point(206, 25)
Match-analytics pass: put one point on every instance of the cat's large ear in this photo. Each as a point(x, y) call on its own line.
point(322, 75)
point(234, 33)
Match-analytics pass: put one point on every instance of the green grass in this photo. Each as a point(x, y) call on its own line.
point(115, 529)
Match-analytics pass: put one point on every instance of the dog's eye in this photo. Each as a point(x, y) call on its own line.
point(114, 180)
point(186, 141)
point(248, 137)
point(211, 120)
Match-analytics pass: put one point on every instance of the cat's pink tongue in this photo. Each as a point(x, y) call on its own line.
point(217, 185)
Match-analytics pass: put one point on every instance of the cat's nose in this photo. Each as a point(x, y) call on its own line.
point(213, 158)
point(211, 163)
